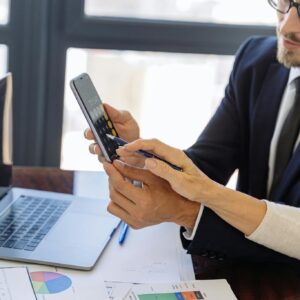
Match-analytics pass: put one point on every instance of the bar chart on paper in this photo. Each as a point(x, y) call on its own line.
point(184, 290)
point(192, 295)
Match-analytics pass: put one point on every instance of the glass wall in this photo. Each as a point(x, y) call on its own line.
point(216, 11)
point(3, 59)
point(4, 11)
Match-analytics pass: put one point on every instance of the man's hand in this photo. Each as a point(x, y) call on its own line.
point(152, 204)
point(127, 128)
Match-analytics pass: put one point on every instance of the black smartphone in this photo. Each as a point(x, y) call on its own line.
point(95, 114)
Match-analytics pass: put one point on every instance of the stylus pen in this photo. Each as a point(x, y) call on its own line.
point(142, 152)
point(123, 233)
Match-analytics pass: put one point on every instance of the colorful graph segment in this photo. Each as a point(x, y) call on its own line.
point(49, 282)
point(172, 296)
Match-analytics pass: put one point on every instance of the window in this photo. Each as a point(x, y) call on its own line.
point(4, 11)
point(3, 60)
point(173, 44)
point(171, 95)
point(217, 11)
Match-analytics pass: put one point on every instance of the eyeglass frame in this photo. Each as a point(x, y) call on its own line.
point(291, 5)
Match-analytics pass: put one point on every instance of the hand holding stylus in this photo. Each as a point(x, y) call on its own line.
point(143, 152)
point(191, 183)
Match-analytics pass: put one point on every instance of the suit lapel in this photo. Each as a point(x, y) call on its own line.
point(264, 120)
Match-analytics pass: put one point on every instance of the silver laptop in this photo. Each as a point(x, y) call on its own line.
point(44, 227)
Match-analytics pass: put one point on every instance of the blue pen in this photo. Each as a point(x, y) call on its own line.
point(142, 152)
point(123, 233)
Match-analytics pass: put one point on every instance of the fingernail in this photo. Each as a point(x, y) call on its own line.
point(91, 148)
point(95, 148)
point(150, 163)
point(120, 148)
point(119, 163)
point(127, 147)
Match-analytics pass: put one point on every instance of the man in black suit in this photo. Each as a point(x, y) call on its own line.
point(245, 133)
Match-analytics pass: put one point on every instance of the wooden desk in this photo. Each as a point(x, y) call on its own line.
point(248, 281)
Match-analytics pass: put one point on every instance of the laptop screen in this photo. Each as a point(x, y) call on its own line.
point(5, 134)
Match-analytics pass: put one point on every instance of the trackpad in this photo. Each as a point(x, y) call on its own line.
point(79, 235)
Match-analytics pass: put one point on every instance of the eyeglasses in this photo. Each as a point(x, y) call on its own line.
point(284, 6)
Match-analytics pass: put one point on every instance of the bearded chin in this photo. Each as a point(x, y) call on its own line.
point(287, 57)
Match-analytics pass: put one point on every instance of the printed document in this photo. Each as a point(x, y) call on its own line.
point(15, 284)
point(51, 283)
point(194, 290)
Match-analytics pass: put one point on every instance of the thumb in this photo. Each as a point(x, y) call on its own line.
point(117, 116)
point(161, 169)
point(113, 113)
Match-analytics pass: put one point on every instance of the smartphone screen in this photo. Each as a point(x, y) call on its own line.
point(92, 107)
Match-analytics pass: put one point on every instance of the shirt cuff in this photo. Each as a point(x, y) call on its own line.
point(189, 234)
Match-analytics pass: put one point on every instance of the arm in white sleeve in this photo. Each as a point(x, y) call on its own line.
point(279, 229)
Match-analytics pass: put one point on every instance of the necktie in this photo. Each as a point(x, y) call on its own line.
point(287, 139)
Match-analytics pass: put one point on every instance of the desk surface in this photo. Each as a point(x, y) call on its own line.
point(248, 281)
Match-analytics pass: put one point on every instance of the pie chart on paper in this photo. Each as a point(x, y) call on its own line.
point(49, 282)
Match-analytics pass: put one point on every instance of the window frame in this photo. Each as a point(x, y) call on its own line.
point(38, 36)
point(155, 35)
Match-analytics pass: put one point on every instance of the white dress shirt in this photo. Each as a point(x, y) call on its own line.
point(262, 234)
point(285, 106)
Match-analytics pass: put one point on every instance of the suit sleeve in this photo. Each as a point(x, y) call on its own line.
point(218, 152)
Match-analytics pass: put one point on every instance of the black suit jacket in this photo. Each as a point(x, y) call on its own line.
point(238, 137)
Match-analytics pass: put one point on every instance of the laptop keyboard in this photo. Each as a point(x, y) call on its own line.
point(28, 220)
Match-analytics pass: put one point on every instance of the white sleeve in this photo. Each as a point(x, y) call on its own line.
point(279, 229)
point(190, 233)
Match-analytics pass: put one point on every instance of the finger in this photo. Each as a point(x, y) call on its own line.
point(121, 151)
point(120, 199)
point(117, 211)
point(124, 154)
point(117, 116)
point(95, 149)
point(132, 173)
point(164, 171)
point(118, 181)
point(164, 151)
point(101, 158)
point(130, 155)
point(135, 161)
point(106, 167)
point(88, 134)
